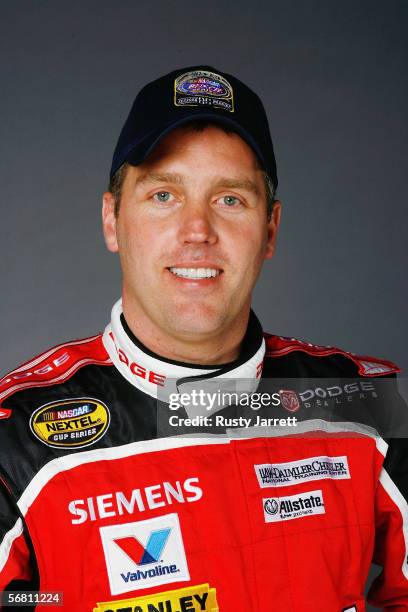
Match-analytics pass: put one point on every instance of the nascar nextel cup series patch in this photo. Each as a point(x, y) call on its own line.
point(203, 88)
point(70, 423)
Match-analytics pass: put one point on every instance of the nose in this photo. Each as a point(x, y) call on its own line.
point(196, 225)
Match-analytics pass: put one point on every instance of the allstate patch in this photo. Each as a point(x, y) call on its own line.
point(203, 88)
point(289, 507)
point(71, 423)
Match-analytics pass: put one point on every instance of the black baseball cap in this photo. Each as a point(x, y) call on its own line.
point(190, 94)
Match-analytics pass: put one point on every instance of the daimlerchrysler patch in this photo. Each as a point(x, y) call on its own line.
point(71, 423)
point(203, 88)
point(302, 470)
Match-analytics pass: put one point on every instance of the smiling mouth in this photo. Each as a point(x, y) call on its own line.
point(195, 273)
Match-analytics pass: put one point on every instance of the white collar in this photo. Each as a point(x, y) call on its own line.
point(153, 375)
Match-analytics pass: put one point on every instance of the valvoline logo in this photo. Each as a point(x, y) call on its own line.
point(143, 554)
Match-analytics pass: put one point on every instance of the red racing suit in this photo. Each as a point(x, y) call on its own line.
point(103, 500)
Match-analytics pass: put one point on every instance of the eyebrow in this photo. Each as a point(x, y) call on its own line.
point(231, 183)
point(222, 182)
point(159, 177)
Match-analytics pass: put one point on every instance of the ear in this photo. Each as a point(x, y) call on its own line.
point(109, 222)
point(273, 226)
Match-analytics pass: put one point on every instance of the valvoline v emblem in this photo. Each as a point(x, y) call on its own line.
point(142, 555)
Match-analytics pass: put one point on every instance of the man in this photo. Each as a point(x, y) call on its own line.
point(101, 496)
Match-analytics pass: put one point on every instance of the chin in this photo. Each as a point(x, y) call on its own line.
point(200, 319)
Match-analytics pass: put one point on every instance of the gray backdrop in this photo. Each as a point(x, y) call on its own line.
point(333, 78)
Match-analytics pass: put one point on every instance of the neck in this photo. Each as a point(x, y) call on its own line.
point(216, 349)
point(159, 376)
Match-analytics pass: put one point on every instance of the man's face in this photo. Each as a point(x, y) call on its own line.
point(192, 233)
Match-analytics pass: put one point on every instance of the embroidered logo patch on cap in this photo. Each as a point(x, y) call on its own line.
point(203, 88)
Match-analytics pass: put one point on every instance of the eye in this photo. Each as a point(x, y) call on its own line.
point(162, 196)
point(230, 201)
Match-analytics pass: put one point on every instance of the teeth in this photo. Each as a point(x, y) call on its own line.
point(195, 272)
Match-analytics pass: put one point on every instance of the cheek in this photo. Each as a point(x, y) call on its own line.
point(142, 250)
point(133, 238)
point(250, 247)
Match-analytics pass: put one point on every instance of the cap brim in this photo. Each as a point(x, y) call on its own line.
point(143, 148)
